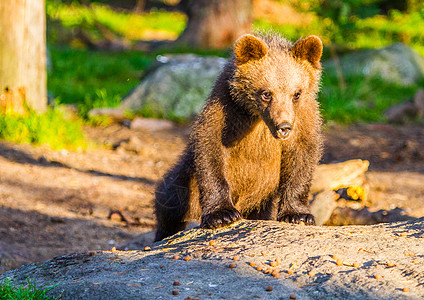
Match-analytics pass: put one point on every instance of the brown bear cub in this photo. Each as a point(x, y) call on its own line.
point(256, 143)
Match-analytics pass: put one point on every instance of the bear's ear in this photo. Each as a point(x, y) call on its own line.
point(310, 49)
point(248, 47)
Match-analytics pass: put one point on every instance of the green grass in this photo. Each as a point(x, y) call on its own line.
point(51, 128)
point(364, 99)
point(29, 292)
point(94, 79)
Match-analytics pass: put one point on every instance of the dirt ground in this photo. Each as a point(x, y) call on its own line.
point(58, 202)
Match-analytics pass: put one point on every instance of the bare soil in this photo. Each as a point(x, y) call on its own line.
point(58, 202)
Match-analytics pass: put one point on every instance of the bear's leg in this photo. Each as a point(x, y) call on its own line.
point(172, 202)
point(215, 201)
point(295, 208)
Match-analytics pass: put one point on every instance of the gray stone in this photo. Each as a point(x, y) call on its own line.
point(114, 113)
point(309, 252)
point(364, 216)
point(151, 124)
point(397, 63)
point(133, 144)
point(177, 87)
point(400, 113)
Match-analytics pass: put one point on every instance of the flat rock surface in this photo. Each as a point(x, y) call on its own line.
point(314, 262)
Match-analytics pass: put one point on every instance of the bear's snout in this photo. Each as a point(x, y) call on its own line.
point(284, 129)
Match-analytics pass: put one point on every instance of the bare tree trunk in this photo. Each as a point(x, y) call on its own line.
point(23, 50)
point(139, 6)
point(216, 23)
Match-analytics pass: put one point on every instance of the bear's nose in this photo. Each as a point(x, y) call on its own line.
point(284, 129)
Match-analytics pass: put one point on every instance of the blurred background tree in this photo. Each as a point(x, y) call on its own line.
point(23, 51)
point(215, 23)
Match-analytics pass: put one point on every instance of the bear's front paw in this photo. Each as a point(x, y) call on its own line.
point(220, 218)
point(308, 219)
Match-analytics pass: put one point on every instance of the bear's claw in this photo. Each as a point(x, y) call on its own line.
point(220, 218)
point(308, 219)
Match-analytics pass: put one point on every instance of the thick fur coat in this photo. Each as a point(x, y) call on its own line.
point(256, 143)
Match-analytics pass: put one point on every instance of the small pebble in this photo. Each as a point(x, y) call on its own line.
point(339, 262)
point(187, 258)
point(252, 264)
point(403, 234)
point(212, 243)
point(162, 267)
point(276, 275)
point(405, 290)
point(92, 253)
point(312, 273)
point(415, 261)
point(377, 276)
point(390, 264)
point(273, 264)
point(268, 271)
point(335, 257)
point(292, 297)
point(176, 257)
point(356, 265)
point(301, 223)
point(147, 248)
point(176, 283)
point(236, 257)
point(259, 268)
point(269, 288)
point(175, 292)
point(232, 265)
point(289, 271)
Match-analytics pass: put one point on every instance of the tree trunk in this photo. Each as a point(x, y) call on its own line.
point(216, 23)
point(23, 50)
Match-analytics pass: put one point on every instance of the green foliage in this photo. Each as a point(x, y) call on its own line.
point(364, 99)
point(355, 24)
point(51, 128)
point(380, 31)
point(147, 26)
point(30, 292)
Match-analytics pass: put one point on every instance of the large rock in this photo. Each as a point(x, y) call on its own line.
point(383, 261)
point(177, 87)
point(397, 63)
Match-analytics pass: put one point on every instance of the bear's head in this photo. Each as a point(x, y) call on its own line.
point(278, 81)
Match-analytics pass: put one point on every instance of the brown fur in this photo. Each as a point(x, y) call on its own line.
point(255, 144)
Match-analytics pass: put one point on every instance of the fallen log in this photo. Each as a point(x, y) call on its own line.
point(334, 176)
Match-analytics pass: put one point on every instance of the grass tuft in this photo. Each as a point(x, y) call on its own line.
point(51, 128)
point(29, 292)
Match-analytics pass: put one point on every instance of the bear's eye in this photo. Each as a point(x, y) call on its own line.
point(296, 95)
point(266, 96)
